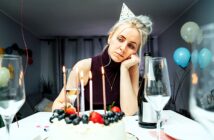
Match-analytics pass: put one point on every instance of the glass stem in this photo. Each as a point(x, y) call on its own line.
point(158, 130)
point(7, 121)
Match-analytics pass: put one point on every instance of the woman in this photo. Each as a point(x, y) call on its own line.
point(120, 62)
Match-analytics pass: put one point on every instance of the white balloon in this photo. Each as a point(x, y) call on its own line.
point(4, 76)
point(199, 37)
point(189, 31)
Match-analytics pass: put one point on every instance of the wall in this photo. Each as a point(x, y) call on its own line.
point(168, 41)
point(10, 32)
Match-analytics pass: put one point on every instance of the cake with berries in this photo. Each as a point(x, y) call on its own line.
point(68, 125)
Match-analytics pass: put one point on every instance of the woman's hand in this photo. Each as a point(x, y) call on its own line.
point(131, 61)
point(60, 105)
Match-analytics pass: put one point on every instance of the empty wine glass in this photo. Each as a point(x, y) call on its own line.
point(202, 87)
point(12, 89)
point(73, 86)
point(157, 87)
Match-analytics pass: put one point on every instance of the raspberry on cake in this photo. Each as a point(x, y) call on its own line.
point(115, 109)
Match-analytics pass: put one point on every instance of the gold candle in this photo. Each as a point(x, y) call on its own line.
point(104, 89)
point(64, 85)
point(91, 91)
point(82, 101)
point(78, 96)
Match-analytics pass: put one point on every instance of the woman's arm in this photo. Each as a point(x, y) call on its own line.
point(84, 66)
point(129, 84)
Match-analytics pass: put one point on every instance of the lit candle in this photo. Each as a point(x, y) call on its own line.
point(91, 91)
point(78, 95)
point(82, 101)
point(104, 89)
point(64, 85)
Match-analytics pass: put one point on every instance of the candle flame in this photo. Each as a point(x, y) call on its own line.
point(102, 70)
point(194, 78)
point(63, 69)
point(90, 75)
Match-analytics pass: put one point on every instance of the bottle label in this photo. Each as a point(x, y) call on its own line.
point(149, 115)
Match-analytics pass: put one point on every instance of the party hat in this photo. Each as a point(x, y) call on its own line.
point(126, 13)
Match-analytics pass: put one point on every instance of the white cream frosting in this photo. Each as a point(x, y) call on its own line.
point(91, 131)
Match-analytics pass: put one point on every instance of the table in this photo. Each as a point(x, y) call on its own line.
point(175, 125)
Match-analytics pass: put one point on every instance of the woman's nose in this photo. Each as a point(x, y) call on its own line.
point(123, 47)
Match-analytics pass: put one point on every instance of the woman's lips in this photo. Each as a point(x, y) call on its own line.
point(119, 54)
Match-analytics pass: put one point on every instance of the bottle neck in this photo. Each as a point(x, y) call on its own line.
point(146, 65)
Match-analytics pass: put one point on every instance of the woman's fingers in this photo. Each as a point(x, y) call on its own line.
point(133, 60)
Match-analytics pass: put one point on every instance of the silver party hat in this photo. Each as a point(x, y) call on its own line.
point(126, 13)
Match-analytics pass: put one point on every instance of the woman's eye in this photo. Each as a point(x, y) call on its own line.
point(131, 46)
point(120, 39)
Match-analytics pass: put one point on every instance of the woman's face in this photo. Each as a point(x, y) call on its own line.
point(124, 42)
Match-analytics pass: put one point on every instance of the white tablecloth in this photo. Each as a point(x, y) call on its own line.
point(175, 125)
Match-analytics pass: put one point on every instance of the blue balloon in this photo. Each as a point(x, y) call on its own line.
point(181, 57)
point(204, 57)
point(194, 58)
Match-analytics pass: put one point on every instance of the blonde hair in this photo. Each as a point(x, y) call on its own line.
point(142, 23)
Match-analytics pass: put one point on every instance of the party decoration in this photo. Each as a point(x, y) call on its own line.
point(4, 76)
point(15, 47)
point(194, 58)
point(189, 31)
point(204, 57)
point(2, 50)
point(199, 37)
point(126, 13)
point(181, 57)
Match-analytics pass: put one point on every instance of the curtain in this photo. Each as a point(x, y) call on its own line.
point(59, 52)
point(82, 48)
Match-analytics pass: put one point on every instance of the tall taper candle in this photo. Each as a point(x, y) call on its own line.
point(82, 101)
point(64, 85)
point(104, 89)
point(78, 95)
point(91, 91)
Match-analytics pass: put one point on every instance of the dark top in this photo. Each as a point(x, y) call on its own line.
point(112, 81)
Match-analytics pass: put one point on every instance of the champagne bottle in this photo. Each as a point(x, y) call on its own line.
point(146, 114)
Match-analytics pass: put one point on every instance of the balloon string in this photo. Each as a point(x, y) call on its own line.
point(23, 37)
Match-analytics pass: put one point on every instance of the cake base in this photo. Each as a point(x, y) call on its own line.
point(91, 131)
point(129, 136)
point(109, 126)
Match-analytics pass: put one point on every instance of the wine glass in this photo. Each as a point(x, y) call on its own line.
point(157, 87)
point(73, 86)
point(12, 89)
point(202, 87)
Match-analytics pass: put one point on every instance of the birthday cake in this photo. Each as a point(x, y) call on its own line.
point(90, 126)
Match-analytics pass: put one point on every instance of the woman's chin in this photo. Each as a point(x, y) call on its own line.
point(116, 59)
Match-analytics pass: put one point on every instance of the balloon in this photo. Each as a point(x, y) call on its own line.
point(194, 58)
point(204, 57)
point(9, 50)
point(199, 37)
point(4, 76)
point(189, 31)
point(2, 50)
point(181, 57)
